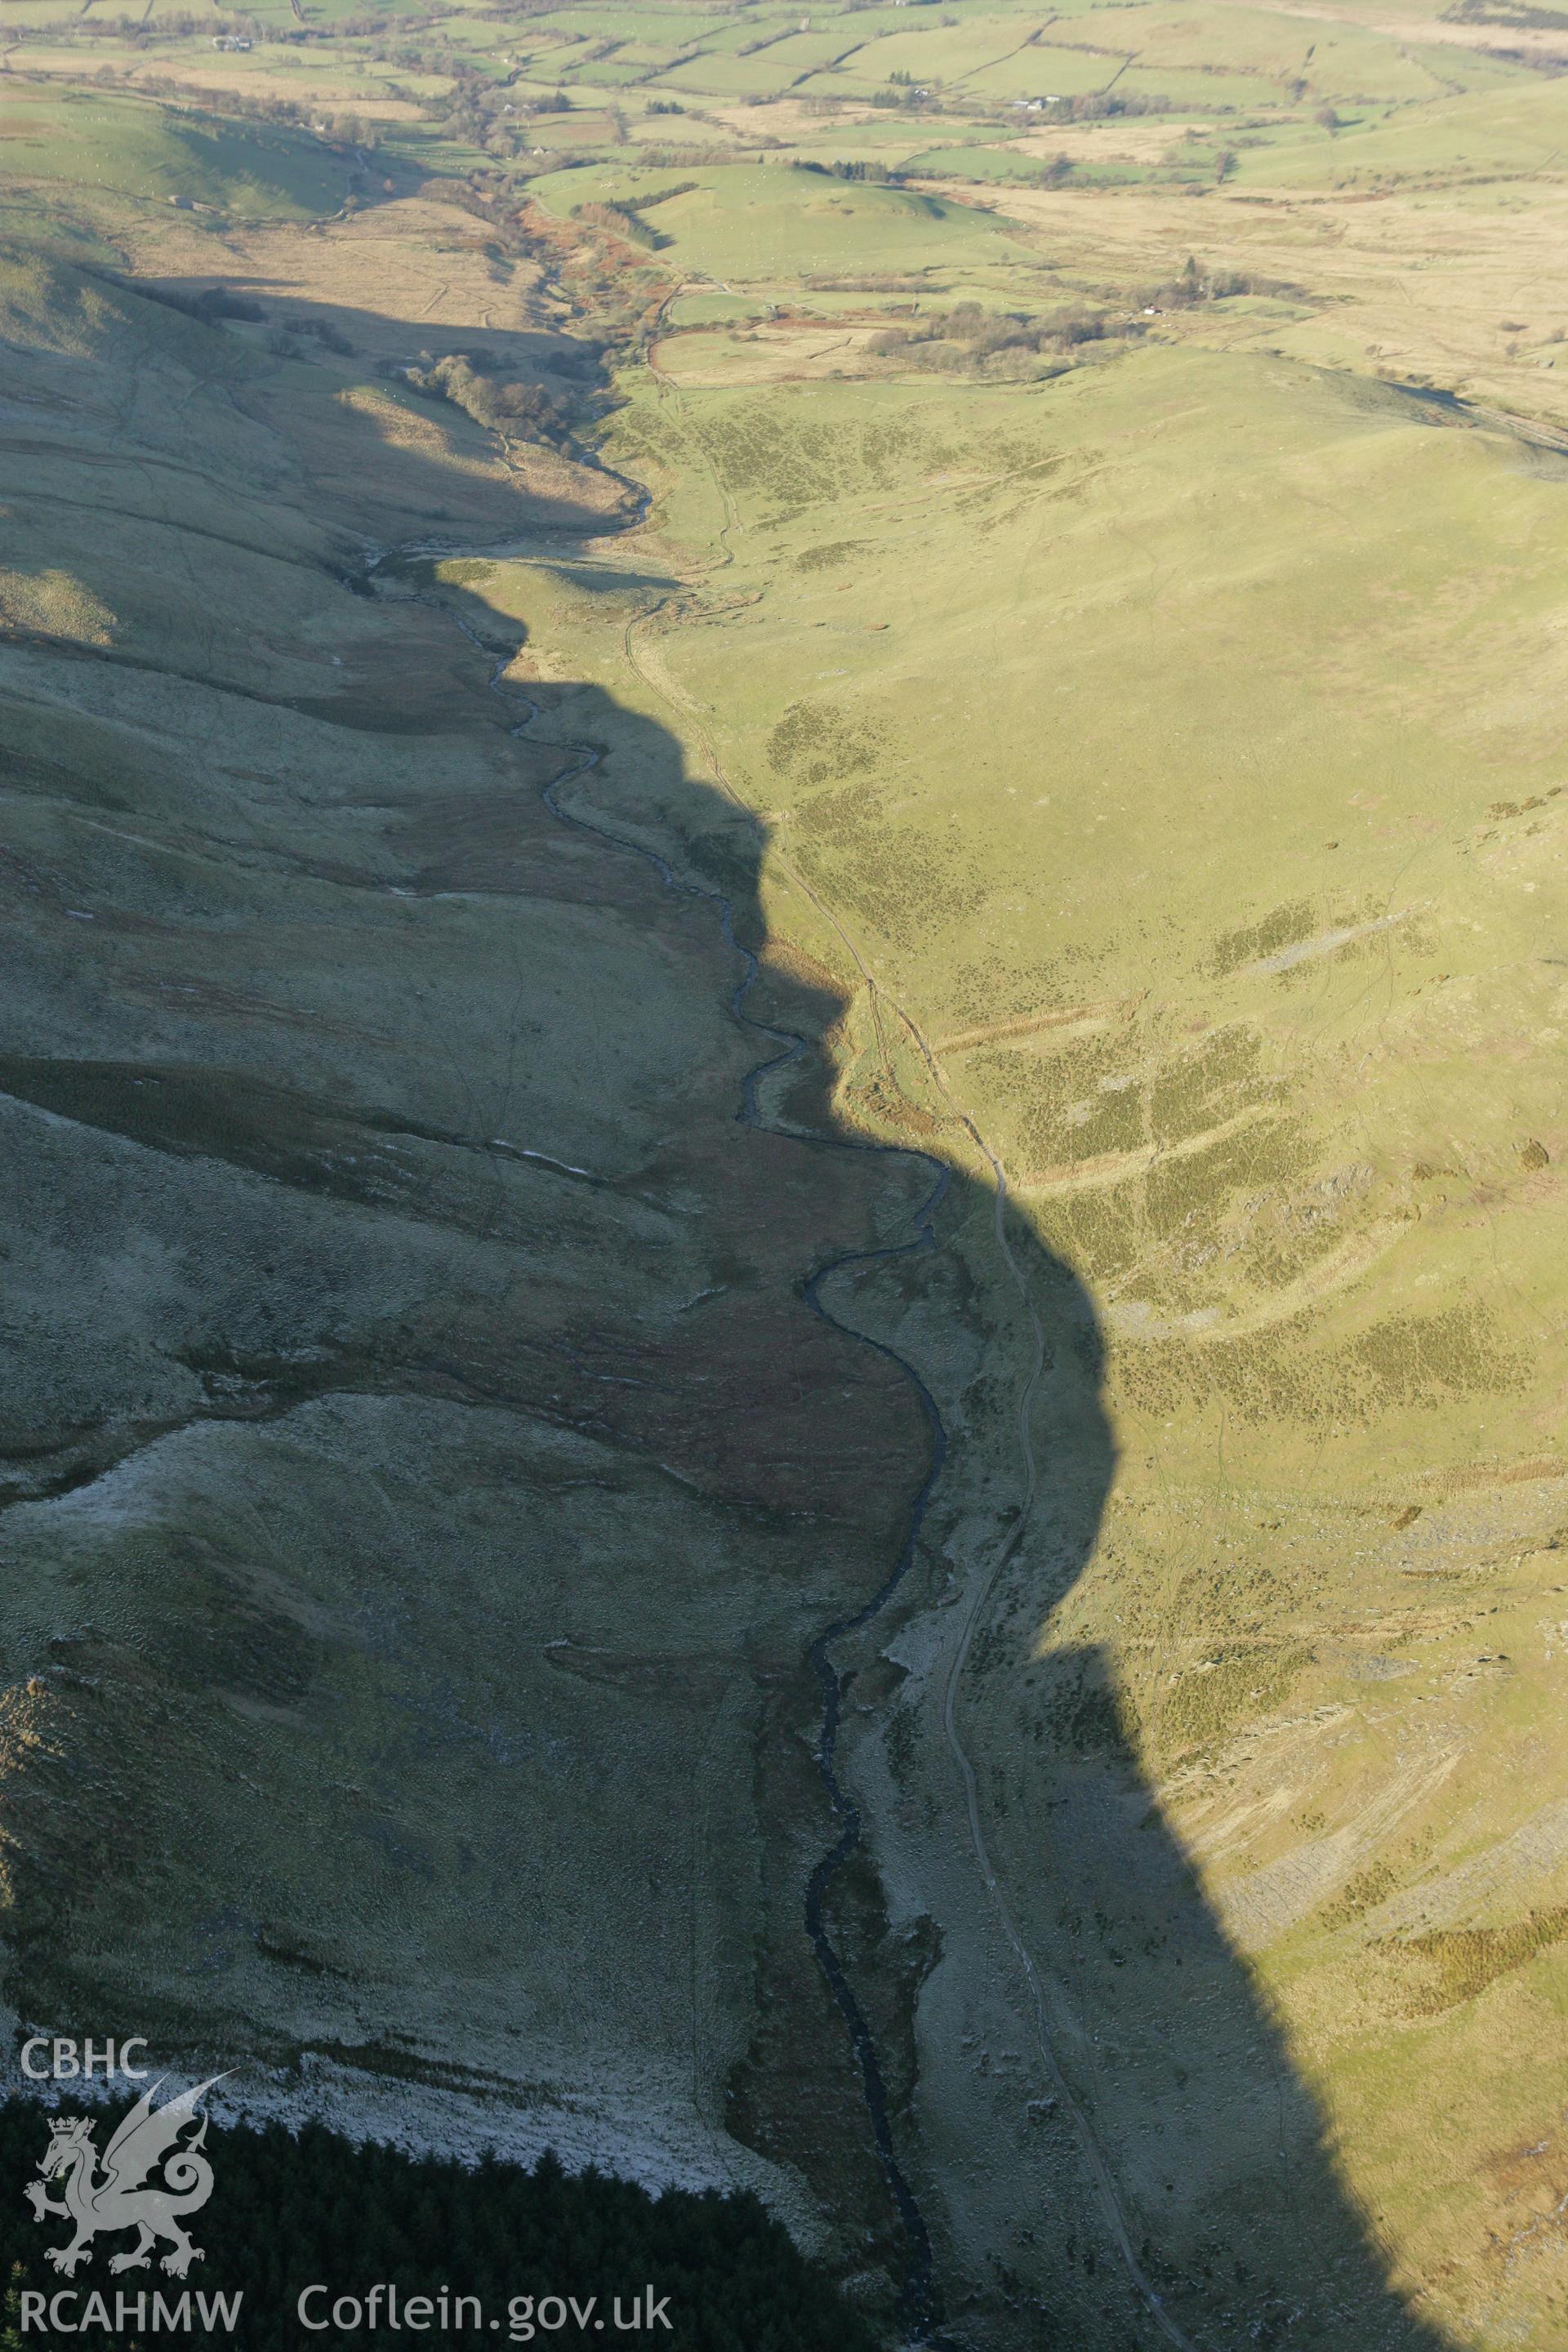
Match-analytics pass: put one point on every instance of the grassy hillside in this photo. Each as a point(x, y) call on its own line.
point(131, 147)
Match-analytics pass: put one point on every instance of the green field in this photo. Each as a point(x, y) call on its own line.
point(133, 147)
point(771, 222)
point(1496, 134)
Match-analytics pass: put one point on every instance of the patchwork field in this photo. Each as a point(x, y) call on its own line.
point(1046, 533)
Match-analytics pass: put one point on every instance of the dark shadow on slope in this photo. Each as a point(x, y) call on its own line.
point(1234, 2201)
point(569, 364)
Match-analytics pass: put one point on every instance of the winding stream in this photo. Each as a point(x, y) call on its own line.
point(918, 2297)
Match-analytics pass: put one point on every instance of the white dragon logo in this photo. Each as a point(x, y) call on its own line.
point(122, 2197)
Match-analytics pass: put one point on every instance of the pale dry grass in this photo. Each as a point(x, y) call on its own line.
point(1436, 285)
point(1131, 139)
point(1423, 23)
point(54, 605)
point(215, 76)
point(409, 263)
point(785, 353)
point(405, 429)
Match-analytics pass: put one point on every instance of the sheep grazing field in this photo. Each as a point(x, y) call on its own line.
point(784, 807)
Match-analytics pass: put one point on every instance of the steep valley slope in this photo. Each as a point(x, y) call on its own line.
point(422, 1476)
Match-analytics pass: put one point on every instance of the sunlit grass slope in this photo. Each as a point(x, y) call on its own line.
point(1175, 744)
point(1518, 129)
point(105, 144)
point(1176, 714)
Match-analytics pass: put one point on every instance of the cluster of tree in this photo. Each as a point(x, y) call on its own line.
point(471, 108)
point(685, 158)
point(1098, 106)
point(351, 130)
point(211, 304)
point(476, 196)
point(1196, 285)
point(764, 41)
point(480, 111)
point(880, 282)
point(282, 113)
point(878, 172)
point(969, 339)
point(1053, 174)
point(530, 166)
point(1513, 13)
point(176, 27)
point(655, 196)
point(621, 221)
point(525, 410)
point(622, 216)
point(141, 33)
point(293, 2210)
point(321, 331)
